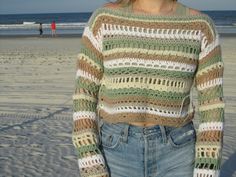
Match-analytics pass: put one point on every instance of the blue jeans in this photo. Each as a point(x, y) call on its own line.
point(152, 151)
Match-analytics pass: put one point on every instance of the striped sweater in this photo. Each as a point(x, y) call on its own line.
point(141, 67)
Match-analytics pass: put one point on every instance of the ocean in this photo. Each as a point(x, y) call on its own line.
point(74, 23)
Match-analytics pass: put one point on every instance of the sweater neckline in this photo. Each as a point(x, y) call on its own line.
point(126, 12)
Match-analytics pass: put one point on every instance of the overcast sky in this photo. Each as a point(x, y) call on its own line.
point(47, 6)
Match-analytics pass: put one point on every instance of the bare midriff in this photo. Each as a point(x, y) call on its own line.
point(142, 124)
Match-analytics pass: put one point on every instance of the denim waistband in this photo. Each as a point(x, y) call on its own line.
point(126, 129)
point(116, 127)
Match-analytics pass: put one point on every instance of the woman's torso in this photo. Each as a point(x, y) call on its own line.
point(145, 93)
point(179, 9)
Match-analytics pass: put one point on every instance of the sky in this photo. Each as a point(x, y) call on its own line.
point(59, 6)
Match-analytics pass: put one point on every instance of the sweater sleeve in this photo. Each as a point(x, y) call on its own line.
point(85, 135)
point(209, 86)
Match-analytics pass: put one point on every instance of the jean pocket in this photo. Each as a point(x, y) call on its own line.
point(109, 139)
point(182, 136)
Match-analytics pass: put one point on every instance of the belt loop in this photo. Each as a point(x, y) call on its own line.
point(100, 123)
point(124, 132)
point(163, 133)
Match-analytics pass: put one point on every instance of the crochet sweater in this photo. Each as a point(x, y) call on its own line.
point(141, 67)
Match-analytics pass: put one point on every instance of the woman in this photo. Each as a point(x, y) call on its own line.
point(132, 114)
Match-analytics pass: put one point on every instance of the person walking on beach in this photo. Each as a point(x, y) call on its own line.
point(40, 29)
point(133, 109)
point(53, 28)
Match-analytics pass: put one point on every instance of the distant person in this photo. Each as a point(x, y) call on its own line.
point(40, 29)
point(53, 28)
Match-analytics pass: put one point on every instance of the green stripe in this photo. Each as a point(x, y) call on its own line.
point(86, 84)
point(147, 72)
point(148, 93)
point(210, 93)
point(152, 44)
point(81, 151)
point(206, 116)
point(90, 53)
point(207, 163)
point(210, 61)
point(84, 105)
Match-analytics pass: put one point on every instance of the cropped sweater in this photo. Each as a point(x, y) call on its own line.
point(141, 67)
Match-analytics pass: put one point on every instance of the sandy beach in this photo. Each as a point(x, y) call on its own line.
point(36, 86)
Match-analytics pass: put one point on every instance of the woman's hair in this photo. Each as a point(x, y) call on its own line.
point(126, 2)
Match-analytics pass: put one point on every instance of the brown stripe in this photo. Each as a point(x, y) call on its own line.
point(173, 58)
point(85, 91)
point(94, 170)
point(210, 102)
point(210, 75)
point(145, 101)
point(82, 124)
point(210, 136)
point(89, 45)
point(82, 64)
point(142, 117)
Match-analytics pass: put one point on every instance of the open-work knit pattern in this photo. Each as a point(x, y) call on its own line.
point(137, 67)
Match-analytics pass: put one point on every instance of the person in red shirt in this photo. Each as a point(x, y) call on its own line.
point(53, 28)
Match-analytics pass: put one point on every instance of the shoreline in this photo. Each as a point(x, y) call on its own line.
point(76, 35)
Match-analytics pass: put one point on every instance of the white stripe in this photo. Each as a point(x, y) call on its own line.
point(91, 161)
point(84, 115)
point(113, 29)
point(153, 64)
point(151, 52)
point(83, 96)
point(206, 173)
point(207, 49)
point(144, 109)
point(157, 83)
point(203, 145)
point(211, 126)
point(87, 76)
point(210, 83)
point(95, 42)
